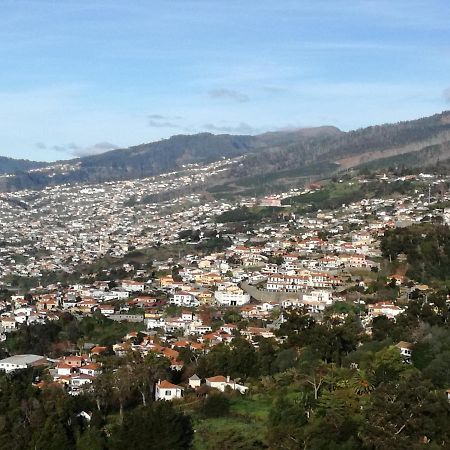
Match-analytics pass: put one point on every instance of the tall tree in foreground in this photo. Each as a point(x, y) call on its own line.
point(157, 426)
point(406, 414)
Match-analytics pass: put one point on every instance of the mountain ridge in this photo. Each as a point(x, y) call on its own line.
point(319, 150)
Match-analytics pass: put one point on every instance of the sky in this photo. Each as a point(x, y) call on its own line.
point(80, 77)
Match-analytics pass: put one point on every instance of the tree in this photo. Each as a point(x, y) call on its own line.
point(145, 372)
point(53, 436)
point(91, 439)
point(243, 359)
point(362, 382)
point(216, 405)
point(388, 365)
point(382, 327)
point(102, 390)
point(313, 372)
point(335, 421)
point(439, 370)
point(297, 326)
point(404, 414)
point(121, 386)
point(287, 419)
point(156, 426)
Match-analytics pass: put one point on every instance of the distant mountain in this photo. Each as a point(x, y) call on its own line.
point(270, 160)
point(155, 158)
point(11, 165)
point(354, 148)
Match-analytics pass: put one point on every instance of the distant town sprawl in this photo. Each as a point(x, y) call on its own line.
point(307, 261)
point(256, 319)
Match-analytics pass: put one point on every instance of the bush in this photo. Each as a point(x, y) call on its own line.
point(216, 405)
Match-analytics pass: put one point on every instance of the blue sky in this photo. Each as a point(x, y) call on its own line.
point(84, 76)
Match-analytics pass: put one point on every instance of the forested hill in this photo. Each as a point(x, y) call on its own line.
point(359, 147)
point(159, 157)
point(169, 154)
point(11, 165)
point(269, 156)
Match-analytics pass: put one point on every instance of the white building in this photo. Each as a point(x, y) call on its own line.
point(133, 286)
point(165, 390)
point(231, 295)
point(387, 309)
point(184, 299)
point(18, 362)
point(221, 383)
point(194, 381)
point(321, 296)
point(405, 350)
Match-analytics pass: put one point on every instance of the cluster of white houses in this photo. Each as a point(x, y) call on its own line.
point(165, 390)
point(295, 283)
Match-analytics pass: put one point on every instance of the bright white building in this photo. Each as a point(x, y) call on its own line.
point(231, 295)
point(165, 390)
point(19, 362)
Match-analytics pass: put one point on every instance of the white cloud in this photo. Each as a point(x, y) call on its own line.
point(229, 94)
point(241, 128)
point(96, 149)
point(446, 95)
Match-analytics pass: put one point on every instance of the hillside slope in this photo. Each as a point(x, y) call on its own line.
point(157, 157)
point(272, 160)
point(11, 165)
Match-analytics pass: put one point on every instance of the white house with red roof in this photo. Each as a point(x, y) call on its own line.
point(387, 309)
point(165, 390)
point(221, 383)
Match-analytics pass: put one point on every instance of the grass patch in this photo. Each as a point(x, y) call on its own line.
point(244, 428)
point(256, 407)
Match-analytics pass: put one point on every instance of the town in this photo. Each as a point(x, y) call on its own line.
point(209, 284)
point(262, 272)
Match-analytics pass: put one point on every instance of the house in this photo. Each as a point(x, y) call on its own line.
point(194, 381)
point(87, 305)
point(63, 369)
point(91, 369)
point(144, 301)
point(18, 362)
point(184, 298)
point(251, 332)
point(166, 281)
point(47, 303)
point(197, 327)
point(97, 350)
point(405, 350)
point(74, 361)
point(106, 310)
point(133, 286)
point(217, 382)
point(8, 324)
point(387, 309)
point(76, 382)
point(154, 320)
point(165, 390)
point(208, 279)
point(205, 296)
point(295, 283)
point(228, 327)
point(231, 295)
point(21, 317)
point(221, 383)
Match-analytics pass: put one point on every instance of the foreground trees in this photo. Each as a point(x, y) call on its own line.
point(156, 426)
point(323, 385)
